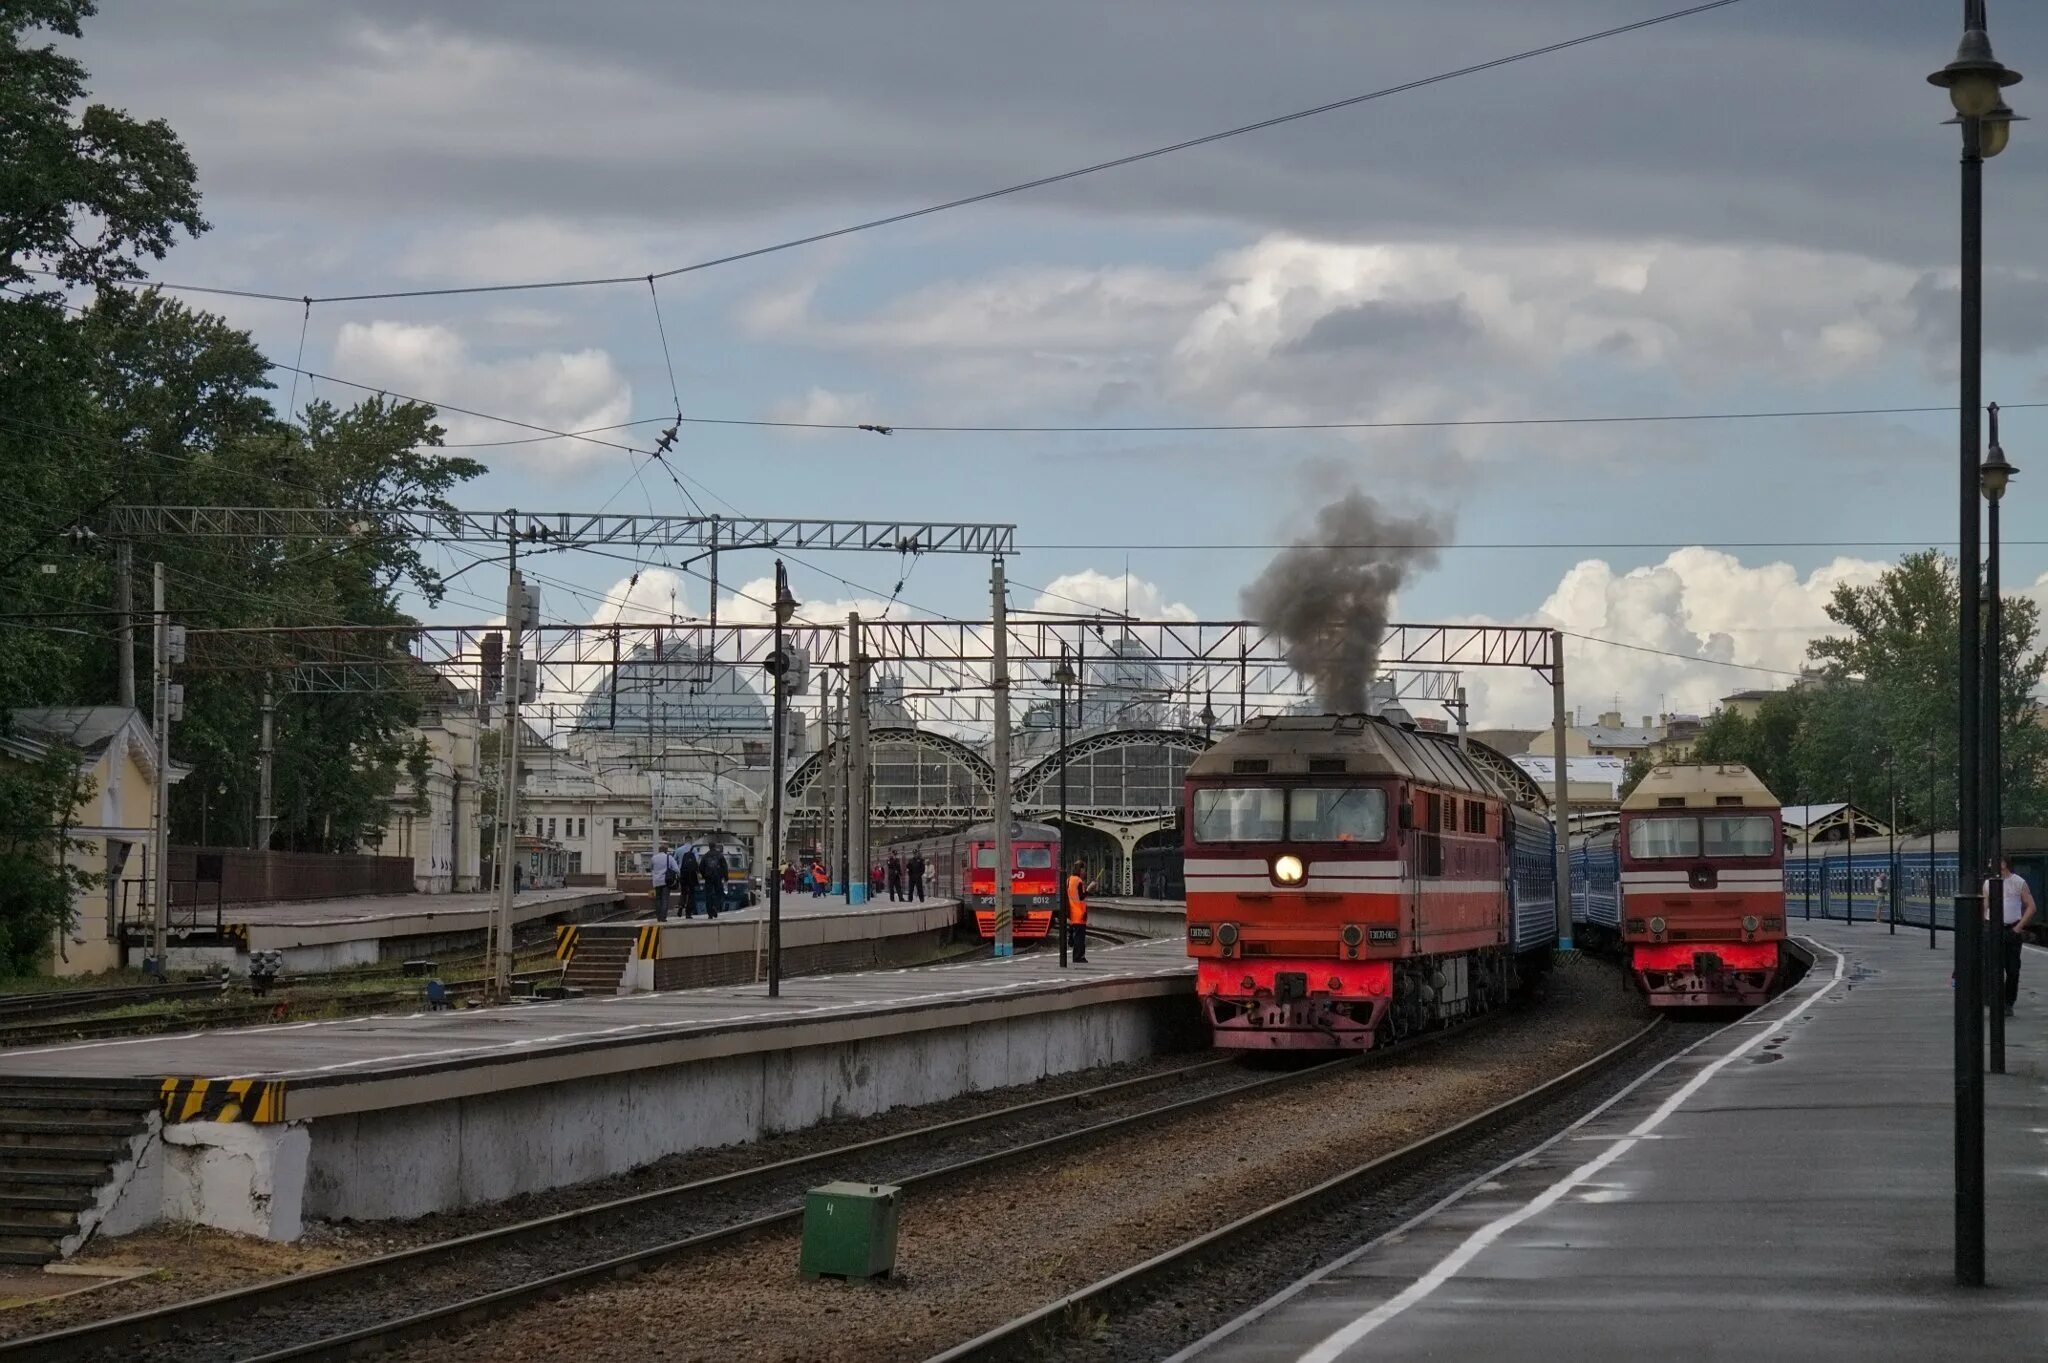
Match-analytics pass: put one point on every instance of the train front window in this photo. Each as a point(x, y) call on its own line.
point(1670, 837)
point(1034, 858)
point(1240, 814)
point(1336, 814)
point(1737, 835)
point(984, 858)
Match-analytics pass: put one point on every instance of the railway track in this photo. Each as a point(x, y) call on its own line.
point(1079, 1324)
point(380, 1302)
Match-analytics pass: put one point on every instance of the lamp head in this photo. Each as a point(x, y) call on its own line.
point(1975, 77)
point(1063, 675)
point(1994, 473)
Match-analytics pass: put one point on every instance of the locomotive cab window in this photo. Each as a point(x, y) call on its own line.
point(1034, 858)
point(984, 858)
point(1240, 814)
point(1731, 835)
point(1665, 837)
point(1336, 814)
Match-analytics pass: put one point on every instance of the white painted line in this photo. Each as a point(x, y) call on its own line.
point(1335, 1345)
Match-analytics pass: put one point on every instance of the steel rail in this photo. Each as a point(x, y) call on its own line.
point(138, 1328)
point(1027, 1335)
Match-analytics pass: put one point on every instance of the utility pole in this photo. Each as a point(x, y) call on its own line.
point(999, 683)
point(778, 668)
point(266, 753)
point(160, 889)
point(518, 606)
point(1464, 740)
point(856, 764)
point(124, 604)
point(1561, 796)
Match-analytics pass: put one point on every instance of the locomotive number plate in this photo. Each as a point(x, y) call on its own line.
point(1383, 934)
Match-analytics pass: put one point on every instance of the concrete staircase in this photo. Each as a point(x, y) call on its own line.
point(61, 1142)
point(602, 953)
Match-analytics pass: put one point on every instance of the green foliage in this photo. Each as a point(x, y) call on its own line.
point(141, 400)
point(36, 884)
point(84, 190)
point(1639, 766)
point(1879, 716)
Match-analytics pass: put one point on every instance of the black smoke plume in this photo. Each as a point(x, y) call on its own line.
point(1328, 596)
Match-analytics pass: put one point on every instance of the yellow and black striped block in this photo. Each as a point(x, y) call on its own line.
point(648, 947)
point(565, 942)
point(222, 1100)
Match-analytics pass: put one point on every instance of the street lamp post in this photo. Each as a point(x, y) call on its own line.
point(1974, 81)
point(1064, 676)
point(1891, 851)
point(1993, 477)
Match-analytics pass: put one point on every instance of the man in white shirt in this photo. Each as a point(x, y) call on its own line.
point(2018, 901)
point(658, 871)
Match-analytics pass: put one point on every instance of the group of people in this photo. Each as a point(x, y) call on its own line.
point(680, 874)
point(904, 878)
point(809, 877)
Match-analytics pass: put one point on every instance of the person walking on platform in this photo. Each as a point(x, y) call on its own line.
point(821, 879)
point(686, 879)
point(660, 872)
point(711, 868)
point(1077, 913)
point(2018, 900)
point(916, 869)
point(895, 873)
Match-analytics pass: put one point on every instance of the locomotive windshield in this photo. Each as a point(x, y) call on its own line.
point(1738, 836)
point(1325, 814)
point(1241, 814)
point(1672, 836)
point(1297, 814)
point(1034, 858)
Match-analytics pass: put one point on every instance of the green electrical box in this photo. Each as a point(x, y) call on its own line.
point(849, 1231)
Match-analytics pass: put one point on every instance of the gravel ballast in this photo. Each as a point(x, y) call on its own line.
point(991, 1247)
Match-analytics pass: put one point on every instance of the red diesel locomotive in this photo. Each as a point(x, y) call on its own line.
point(1347, 879)
point(1703, 886)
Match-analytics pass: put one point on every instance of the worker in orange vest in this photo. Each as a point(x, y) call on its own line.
point(1077, 914)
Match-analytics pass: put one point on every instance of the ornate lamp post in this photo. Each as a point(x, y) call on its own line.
point(1975, 81)
point(1992, 477)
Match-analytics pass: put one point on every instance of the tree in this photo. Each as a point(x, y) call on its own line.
point(85, 190)
point(1639, 766)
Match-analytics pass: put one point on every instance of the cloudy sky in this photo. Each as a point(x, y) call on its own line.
point(1748, 210)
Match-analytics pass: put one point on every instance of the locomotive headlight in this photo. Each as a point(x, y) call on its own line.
point(1287, 870)
point(1656, 927)
point(1749, 923)
point(1352, 936)
point(1226, 934)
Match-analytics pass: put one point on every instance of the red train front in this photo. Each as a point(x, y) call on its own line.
point(962, 866)
point(1345, 880)
point(1703, 886)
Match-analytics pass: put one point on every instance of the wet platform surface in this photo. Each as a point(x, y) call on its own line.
point(1783, 1191)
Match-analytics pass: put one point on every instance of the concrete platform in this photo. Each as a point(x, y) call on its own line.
point(1782, 1191)
point(400, 1115)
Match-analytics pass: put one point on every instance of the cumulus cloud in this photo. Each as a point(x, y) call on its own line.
point(1702, 605)
point(1118, 594)
point(824, 407)
point(562, 390)
point(1296, 329)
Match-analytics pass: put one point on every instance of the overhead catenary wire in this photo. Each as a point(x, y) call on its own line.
point(985, 196)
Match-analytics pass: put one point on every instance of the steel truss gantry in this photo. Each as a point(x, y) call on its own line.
point(561, 529)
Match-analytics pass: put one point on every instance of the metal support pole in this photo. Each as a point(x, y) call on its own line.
point(1932, 824)
point(1561, 795)
point(160, 889)
point(999, 684)
point(1849, 878)
point(508, 763)
point(779, 667)
point(124, 603)
point(266, 756)
point(856, 761)
point(1891, 851)
point(1063, 871)
point(1464, 738)
point(1969, 1052)
point(1994, 839)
